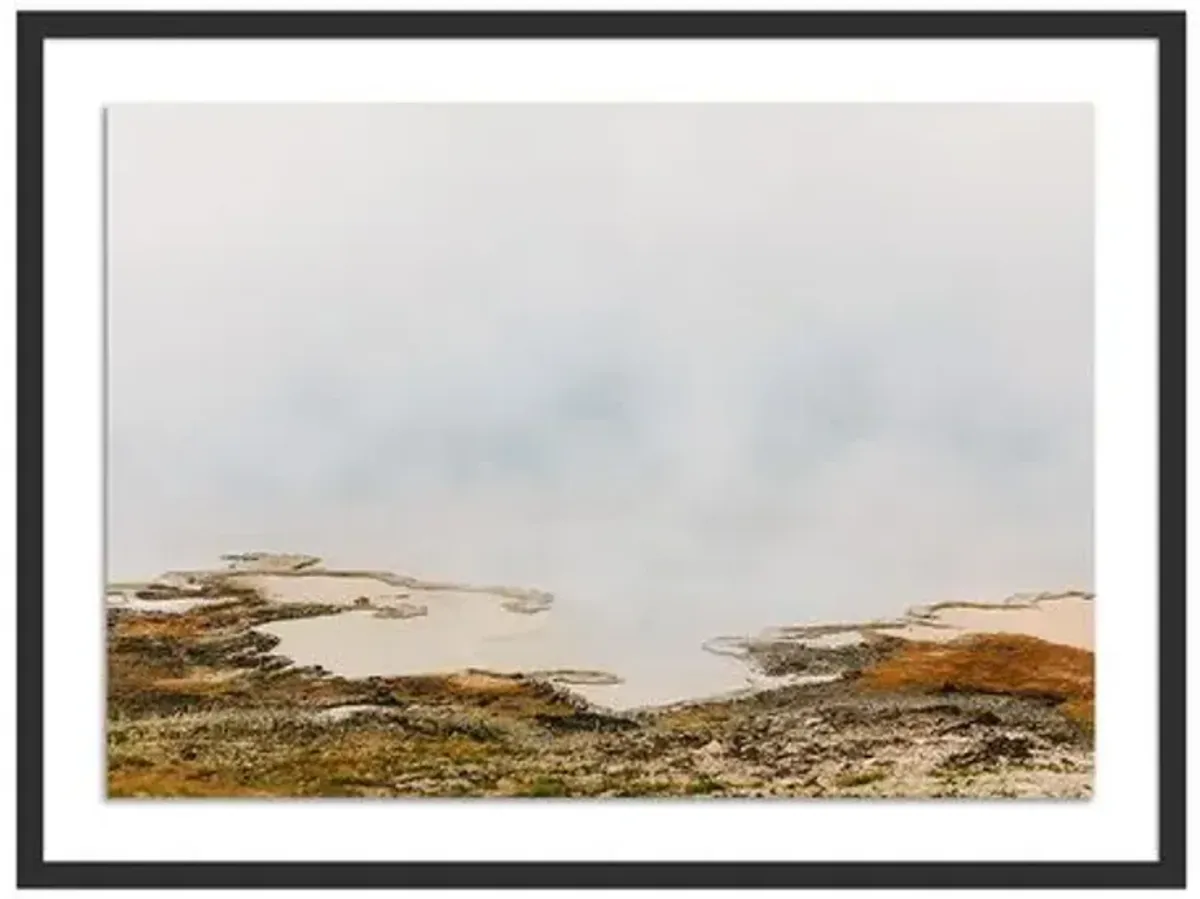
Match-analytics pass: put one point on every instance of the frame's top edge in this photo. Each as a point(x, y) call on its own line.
point(600, 24)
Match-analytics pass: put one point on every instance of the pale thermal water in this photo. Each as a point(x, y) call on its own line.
point(451, 630)
point(462, 632)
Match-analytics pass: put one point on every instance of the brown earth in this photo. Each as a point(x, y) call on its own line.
point(1006, 664)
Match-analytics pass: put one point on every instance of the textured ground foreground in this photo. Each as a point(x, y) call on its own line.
point(199, 706)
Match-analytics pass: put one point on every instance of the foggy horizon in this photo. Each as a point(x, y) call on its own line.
point(701, 366)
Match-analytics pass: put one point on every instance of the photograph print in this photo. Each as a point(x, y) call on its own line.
point(600, 451)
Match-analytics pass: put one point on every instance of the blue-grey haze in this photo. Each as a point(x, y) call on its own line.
point(718, 364)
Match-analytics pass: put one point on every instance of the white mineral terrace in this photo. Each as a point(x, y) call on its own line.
point(1066, 617)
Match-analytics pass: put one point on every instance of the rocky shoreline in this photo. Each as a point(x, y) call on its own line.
point(200, 704)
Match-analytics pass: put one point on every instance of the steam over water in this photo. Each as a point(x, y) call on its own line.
point(696, 370)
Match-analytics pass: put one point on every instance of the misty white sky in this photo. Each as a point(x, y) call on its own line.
point(744, 365)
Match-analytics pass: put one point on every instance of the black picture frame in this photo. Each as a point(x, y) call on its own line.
point(1166, 28)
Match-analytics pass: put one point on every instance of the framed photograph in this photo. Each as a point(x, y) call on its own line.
point(569, 449)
